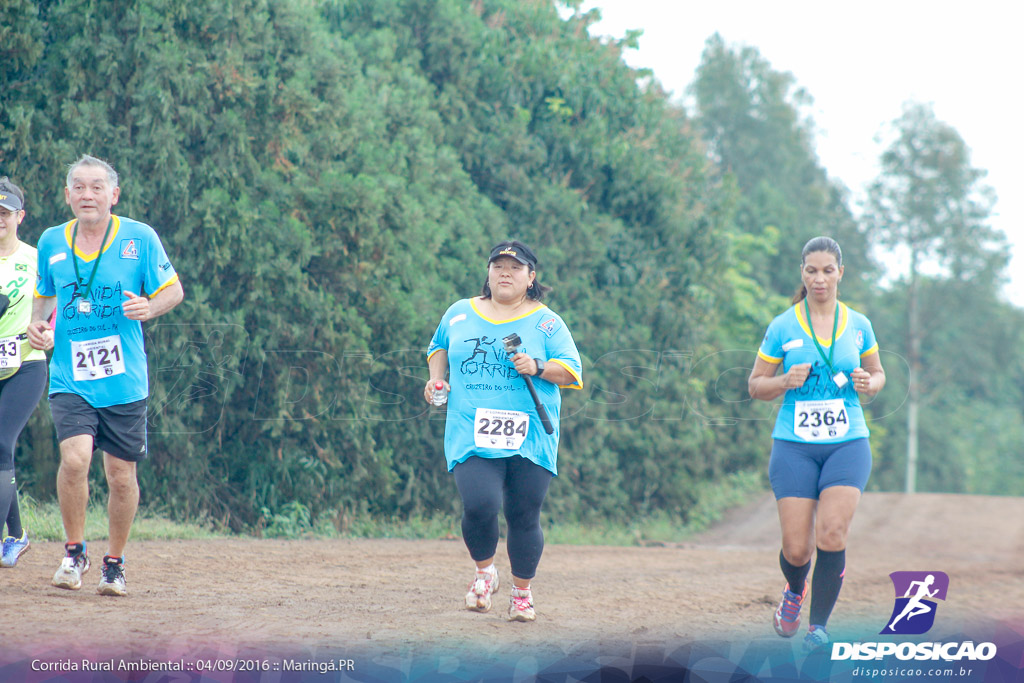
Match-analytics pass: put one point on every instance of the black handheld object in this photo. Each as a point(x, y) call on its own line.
point(512, 343)
point(4, 303)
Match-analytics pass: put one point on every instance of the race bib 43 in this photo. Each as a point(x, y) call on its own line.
point(10, 353)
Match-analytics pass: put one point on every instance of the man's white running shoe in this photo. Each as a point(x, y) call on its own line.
point(112, 582)
point(69, 573)
point(520, 606)
point(478, 596)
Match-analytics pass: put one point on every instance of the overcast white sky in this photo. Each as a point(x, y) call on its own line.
point(860, 62)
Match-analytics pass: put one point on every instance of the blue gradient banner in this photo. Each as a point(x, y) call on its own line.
point(769, 659)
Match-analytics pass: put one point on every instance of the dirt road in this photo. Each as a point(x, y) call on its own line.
point(397, 604)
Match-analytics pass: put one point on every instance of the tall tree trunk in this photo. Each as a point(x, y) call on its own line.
point(914, 393)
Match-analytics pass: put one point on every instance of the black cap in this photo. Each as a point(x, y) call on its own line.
point(516, 250)
point(10, 196)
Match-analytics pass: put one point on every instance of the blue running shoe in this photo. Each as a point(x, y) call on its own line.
point(816, 637)
point(13, 549)
point(787, 616)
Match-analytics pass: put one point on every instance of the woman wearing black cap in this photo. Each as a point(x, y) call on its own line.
point(494, 441)
point(22, 368)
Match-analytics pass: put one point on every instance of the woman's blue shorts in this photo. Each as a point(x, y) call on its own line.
point(804, 470)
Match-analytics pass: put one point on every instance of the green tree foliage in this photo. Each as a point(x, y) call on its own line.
point(970, 398)
point(931, 202)
point(298, 188)
point(609, 184)
point(754, 121)
point(960, 376)
point(328, 178)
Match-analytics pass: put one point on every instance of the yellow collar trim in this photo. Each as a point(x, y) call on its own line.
point(844, 318)
point(472, 302)
point(69, 229)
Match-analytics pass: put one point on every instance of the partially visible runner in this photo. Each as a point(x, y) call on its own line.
point(820, 459)
point(494, 441)
point(22, 368)
point(105, 275)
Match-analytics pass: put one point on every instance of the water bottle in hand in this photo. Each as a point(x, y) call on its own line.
point(439, 396)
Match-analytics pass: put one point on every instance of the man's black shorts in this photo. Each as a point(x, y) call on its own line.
point(119, 430)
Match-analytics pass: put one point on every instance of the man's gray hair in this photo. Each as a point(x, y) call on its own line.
point(87, 160)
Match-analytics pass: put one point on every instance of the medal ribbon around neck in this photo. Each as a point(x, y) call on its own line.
point(99, 255)
point(814, 336)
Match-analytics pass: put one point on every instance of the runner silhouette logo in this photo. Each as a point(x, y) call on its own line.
point(916, 593)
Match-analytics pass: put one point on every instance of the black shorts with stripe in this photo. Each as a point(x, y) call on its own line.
point(119, 430)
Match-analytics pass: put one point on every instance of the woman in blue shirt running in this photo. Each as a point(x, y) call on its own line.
point(494, 441)
point(820, 458)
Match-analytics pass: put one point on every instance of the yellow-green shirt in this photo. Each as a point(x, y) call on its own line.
point(17, 281)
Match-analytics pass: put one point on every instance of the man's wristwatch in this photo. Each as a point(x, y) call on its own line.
point(540, 367)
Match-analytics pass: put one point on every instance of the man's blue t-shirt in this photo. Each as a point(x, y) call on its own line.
point(490, 411)
point(820, 411)
point(98, 353)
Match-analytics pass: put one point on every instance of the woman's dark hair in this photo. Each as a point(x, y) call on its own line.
point(535, 291)
point(813, 246)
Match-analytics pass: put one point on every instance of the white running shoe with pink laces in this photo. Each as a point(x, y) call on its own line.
point(520, 606)
point(478, 595)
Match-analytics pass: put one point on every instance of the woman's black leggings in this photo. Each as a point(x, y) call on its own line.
point(483, 483)
point(19, 396)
